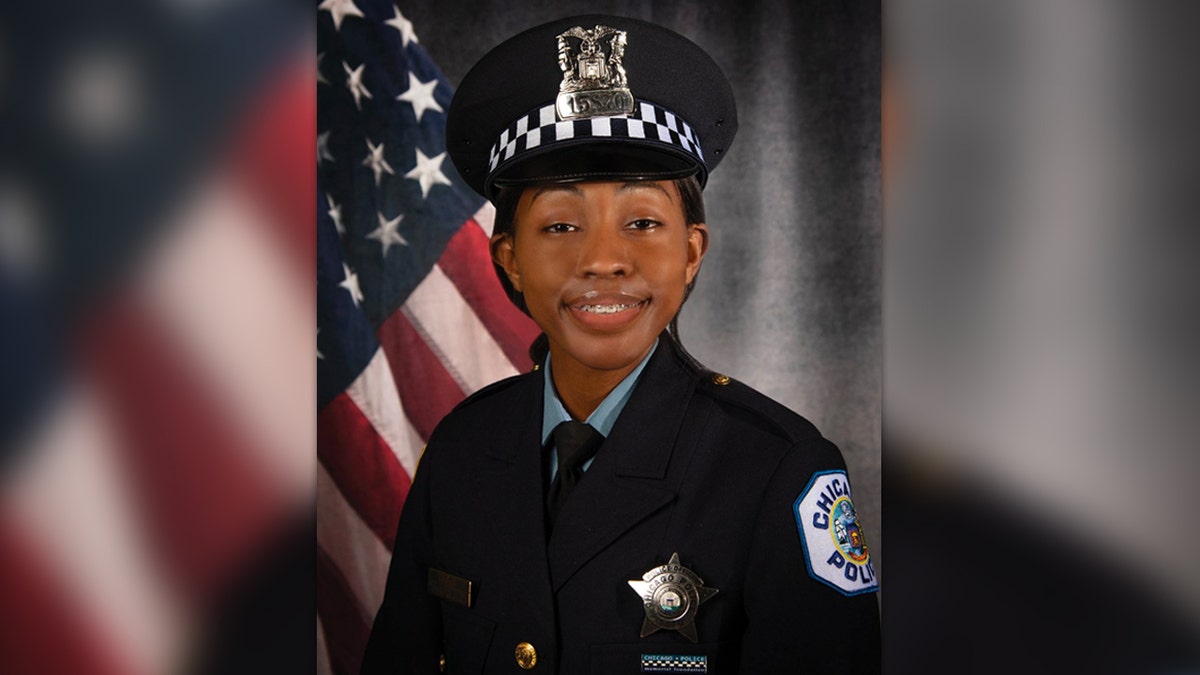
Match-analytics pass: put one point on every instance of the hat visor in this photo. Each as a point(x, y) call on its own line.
point(596, 161)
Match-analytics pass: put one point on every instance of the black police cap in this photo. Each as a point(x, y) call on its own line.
point(590, 98)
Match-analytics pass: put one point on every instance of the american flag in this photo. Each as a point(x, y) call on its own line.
point(411, 318)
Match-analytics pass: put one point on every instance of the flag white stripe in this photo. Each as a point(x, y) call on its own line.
point(450, 327)
point(486, 217)
point(223, 227)
point(353, 547)
point(70, 495)
point(374, 392)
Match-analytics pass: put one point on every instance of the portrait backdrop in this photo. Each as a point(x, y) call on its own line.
point(788, 300)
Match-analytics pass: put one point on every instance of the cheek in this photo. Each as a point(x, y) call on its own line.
point(679, 263)
point(538, 278)
point(670, 274)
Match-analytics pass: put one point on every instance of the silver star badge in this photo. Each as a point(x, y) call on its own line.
point(671, 594)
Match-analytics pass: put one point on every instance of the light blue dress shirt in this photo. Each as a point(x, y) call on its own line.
point(602, 418)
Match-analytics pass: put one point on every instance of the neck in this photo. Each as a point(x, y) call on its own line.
point(580, 388)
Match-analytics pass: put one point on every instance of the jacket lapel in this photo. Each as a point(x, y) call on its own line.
point(512, 483)
point(627, 481)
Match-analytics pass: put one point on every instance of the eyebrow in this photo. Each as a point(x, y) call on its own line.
point(636, 184)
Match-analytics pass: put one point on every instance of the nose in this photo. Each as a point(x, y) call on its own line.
point(604, 253)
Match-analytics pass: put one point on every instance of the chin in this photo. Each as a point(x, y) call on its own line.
point(608, 352)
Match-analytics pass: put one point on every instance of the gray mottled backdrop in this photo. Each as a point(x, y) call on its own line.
point(788, 300)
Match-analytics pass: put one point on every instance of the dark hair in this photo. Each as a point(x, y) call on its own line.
point(506, 216)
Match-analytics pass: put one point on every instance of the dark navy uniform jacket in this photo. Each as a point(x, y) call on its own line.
point(709, 471)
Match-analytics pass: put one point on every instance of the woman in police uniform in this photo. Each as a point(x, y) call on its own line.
point(620, 509)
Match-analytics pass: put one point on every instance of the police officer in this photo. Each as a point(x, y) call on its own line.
point(620, 509)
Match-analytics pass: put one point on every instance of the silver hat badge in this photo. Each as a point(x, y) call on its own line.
point(594, 82)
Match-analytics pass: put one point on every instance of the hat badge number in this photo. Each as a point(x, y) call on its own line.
point(594, 82)
point(671, 594)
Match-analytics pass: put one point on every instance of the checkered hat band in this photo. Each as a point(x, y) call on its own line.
point(541, 128)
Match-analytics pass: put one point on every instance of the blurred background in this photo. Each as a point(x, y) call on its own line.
point(1041, 330)
point(156, 248)
point(1038, 309)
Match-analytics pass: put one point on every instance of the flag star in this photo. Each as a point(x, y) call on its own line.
point(355, 84)
point(101, 94)
point(323, 148)
point(376, 161)
point(350, 283)
point(388, 232)
point(403, 25)
point(23, 239)
point(320, 76)
point(340, 9)
point(420, 95)
point(335, 212)
point(428, 172)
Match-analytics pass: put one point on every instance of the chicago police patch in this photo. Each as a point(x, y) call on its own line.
point(835, 549)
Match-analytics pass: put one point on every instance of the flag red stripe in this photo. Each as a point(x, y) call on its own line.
point(277, 169)
point(468, 264)
point(427, 390)
point(363, 466)
point(46, 631)
point(346, 624)
point(207, 506)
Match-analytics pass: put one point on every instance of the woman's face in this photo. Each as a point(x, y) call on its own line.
point(603, 267)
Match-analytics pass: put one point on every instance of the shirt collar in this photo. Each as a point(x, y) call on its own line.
point(604, 416)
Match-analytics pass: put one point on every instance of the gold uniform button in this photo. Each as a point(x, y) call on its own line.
point(442, 663)
point(720, 379)
point(526, 656)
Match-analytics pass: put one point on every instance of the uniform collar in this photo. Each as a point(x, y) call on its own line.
point(604, 416)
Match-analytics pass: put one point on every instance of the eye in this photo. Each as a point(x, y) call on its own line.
point(560, 228)
point(644, 224)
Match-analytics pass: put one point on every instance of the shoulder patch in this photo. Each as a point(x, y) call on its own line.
point(835, 549)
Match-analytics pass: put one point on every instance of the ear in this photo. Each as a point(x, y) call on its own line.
point(504, 256)
point(697, 247)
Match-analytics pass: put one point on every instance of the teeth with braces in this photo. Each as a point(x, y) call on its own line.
point(607, 309)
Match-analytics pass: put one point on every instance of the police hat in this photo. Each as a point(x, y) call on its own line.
point(590, 98)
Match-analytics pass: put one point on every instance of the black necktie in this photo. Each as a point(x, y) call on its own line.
point(575, 443)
